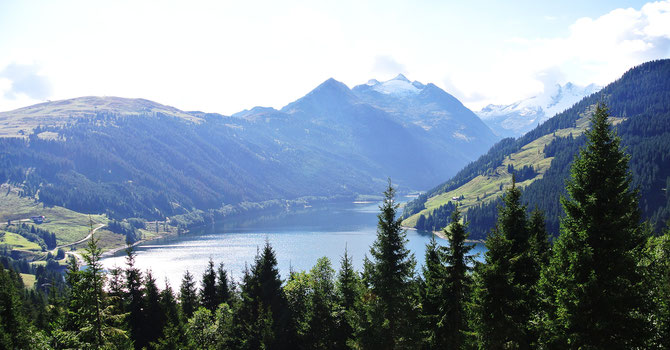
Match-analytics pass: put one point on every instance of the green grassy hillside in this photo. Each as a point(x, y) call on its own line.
point(487, 187)
point(639, 102)
point(69, 226)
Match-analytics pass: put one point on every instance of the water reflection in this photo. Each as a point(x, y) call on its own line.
point(299, 236)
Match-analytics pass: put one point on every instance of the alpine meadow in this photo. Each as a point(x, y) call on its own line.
point(515, 196)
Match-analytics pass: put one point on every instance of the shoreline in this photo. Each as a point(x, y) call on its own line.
point(114, 250)
point(441, 234)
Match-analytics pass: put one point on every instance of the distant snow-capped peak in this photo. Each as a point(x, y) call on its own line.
point(551, 101)
point(399, 86)
point(519, 117)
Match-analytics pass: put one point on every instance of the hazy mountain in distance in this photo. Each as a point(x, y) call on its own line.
point(540, 160)
point(438, 113)
point(138, 158)
point(518, 118)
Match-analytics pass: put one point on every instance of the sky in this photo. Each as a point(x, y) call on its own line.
point(226, 56)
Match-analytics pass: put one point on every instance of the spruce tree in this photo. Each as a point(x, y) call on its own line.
point(391, 281)
point(208, 297)
point(348, 293)
point(516, 261)
point(658, 267)
point(458, 284)
point(152, 310)
point(173, 331)
point(593, 282)
point(93, 317)
point(264, 305)
point(321, 314)
point(539, 239)
point(223, 288)
point(495, 296)
point(134, 298)
point(14, 332)
point(188, 296)
point(431, 293)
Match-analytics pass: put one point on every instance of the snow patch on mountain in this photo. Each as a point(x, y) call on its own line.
point(520, 117)
point(398, 86)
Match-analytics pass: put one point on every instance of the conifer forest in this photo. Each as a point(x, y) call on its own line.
point(602, 283)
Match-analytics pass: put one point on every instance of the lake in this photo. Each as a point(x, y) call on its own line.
point(299, 238)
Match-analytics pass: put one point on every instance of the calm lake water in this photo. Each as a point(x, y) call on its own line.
point(299, 238)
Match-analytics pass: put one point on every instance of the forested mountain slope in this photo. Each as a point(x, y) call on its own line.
point(137, 158)
point(640, 105)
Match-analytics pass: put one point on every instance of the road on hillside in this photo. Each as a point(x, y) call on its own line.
point(83, 239)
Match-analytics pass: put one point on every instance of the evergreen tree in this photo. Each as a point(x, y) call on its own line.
point(298, 297)
point(134, 299)
point(208, 297)
point(658, 266)
point(263, 305)
point(458, 285)
point(14, 331)
point(515, 260)
point(594, 285)
point(223, 288)
point(152, 310)
point(173, 332)
point(495, 296)
point(93, 318)
point(539, 239)
point(390, 277)
point(348, 293)
point(188, 296)
point(431, 293)
point(321, 316)
point(116, 286)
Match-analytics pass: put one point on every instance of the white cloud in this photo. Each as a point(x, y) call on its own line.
point(596, 50)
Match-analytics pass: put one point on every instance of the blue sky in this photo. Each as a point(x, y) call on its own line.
point(222, 56)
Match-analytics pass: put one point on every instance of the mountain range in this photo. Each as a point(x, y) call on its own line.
point(516, 119)
point(541, 159)
point(138, 158)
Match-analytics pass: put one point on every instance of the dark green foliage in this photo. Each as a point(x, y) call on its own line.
point(492, 159)
point(640, 96)
point(14, 328)
point(134, 300)
point(92, 319)
point(264, 316)
point(658, 266)
point(126, 229)
point(322, 322)
point(223, 287)
point(390, 278)
point(539, 239)
point(482, 218)
point(593, 282)
point(495, 296)
point(152, 311)
point(458, 285)
point(349, 289)
point(298, 291)
point(437, 219)
point(188, 295)
point(173, 332)
point(431, 296)
point(208, 298)
point(388, 308)
point(46, 239)
point(523, 174)
point(511, 270)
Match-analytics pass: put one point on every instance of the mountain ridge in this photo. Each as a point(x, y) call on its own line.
point(638, 104)
point(515, 119)
point(137, 158)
